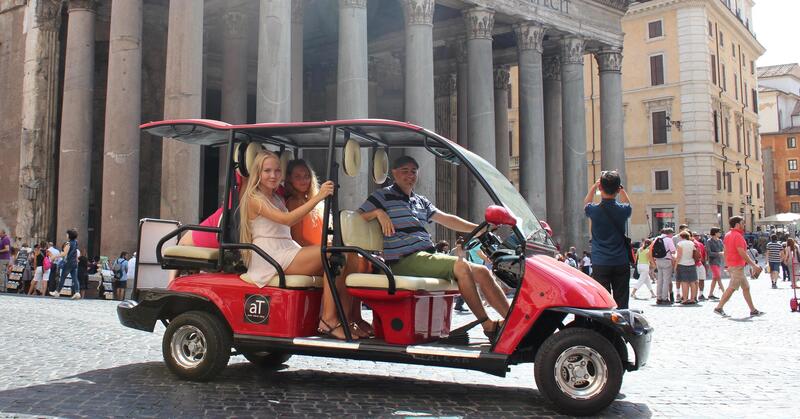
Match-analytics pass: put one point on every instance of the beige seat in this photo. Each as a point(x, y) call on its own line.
point(192, 252)
point(292, 281)
point(368, 236)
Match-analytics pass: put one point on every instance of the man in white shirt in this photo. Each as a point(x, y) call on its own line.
point(662, 251)
point(132, 267)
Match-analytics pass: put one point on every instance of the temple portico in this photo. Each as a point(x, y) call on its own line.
point(439, 64)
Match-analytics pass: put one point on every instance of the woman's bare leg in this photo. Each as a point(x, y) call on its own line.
point(308, 262)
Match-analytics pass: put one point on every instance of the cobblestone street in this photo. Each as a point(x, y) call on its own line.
point(73, 359)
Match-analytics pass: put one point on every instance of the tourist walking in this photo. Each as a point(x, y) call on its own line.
point(120, 269)
point(736, 258)
point(715, 249)
point(39, 280)
point(643, 263)
point(70, 266)
point(662, 251)
point(685, 264)
point(586, 263)
point(791, 258)
point(5, 257)
point(774, 257)
point(610, 248)
point(701, 265)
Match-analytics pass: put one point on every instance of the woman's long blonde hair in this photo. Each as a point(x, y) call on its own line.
point(313, 190)
point(250, 195)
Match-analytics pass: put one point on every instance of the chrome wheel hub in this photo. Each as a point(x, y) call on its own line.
point(188, 346)
point(581, 372)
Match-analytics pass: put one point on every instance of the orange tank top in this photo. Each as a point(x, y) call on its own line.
point(309, 230)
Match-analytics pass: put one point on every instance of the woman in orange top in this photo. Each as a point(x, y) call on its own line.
point(301, 183)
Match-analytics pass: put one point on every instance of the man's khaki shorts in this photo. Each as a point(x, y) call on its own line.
point(431, 265)
point(738, 278)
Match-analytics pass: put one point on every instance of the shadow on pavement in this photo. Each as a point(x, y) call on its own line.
point(148, 389)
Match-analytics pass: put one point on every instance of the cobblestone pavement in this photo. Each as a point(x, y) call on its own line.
point(73, 359)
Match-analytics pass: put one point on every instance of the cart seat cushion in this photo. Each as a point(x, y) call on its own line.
point(359, 233)
point(192, 252)
point(408, 283)
point(292, 281)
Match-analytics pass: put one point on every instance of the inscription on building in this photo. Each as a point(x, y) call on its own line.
point(557, 5)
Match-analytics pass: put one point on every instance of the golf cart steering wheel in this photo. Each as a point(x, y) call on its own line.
point(468, 238)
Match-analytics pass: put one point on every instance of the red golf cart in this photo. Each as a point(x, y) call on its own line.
point(560, 319)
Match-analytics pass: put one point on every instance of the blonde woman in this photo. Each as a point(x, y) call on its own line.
point(300, 186)
point(266, 223)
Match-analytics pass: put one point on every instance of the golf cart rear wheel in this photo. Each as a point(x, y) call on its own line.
point(579, 371)
point(196, 346)
point(266, 360)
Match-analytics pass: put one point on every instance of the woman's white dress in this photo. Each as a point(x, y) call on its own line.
point(276, 241)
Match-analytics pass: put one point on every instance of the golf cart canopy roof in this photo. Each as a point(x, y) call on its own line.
point(376, 132)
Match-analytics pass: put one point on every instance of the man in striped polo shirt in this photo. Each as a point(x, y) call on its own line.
point(408, 247)
point(774, 250)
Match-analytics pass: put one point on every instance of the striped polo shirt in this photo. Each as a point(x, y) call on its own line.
point(409, 215)
point(774, 249)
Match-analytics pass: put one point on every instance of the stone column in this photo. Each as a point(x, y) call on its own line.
point(180, 162)
point(77, 115)
point(234, 80)
point(612, 132)
point(502, 147)
point(553, 146)
point(37, 152)
point(419, 90)
point(574, 132)
point(462, 132)
point(273, 89)
point(480, 124)
point(120, 209)
point(352, 95)
point(532, 155)
point(298, 9)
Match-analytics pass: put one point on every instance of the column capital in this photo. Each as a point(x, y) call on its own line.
point(418, 12)
point(572, 50)
point(356, 4)
point(298, 11)
point(609, 60)
point(86, 5)
point(234, 25)
point(48, 16)
point(529, 36)
point(501, 77)
point(479, 22)
point(551, 67)
point(445, 85)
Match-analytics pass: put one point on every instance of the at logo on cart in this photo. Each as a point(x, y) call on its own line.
point(256, 309)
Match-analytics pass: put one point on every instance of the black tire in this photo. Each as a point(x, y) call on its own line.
point(196, 346)
point(266, 360)
point(590, 351)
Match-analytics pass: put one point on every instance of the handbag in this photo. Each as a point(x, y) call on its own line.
point(636, 274)
point(625, 239)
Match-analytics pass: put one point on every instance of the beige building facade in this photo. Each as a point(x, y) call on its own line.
point(692, 150)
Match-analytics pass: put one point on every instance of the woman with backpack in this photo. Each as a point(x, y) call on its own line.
point(70, 267)
point(685, 267)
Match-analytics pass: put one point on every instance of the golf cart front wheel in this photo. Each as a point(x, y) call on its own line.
point(196, 346)
point(579, 371)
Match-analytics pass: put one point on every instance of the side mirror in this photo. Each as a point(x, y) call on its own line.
point(498, 215)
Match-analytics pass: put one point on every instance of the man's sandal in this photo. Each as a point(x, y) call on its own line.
point(492, 334)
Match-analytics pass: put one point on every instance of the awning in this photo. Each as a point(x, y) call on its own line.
point(782, 218)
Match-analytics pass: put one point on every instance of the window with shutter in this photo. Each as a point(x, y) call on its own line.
point(795, 207)
point(655, 29)
point(659, 127)
point(662, 180)
point(714, 69)
point(656, 70)
point(792, 164)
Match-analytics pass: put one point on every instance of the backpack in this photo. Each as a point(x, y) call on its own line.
point(659, 250)
point(46, 263)
point(116, 267)
point(696, 255)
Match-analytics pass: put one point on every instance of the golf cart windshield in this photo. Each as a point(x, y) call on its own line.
point(509, 197)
